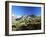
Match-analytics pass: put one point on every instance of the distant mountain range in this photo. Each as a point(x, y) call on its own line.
point(27, 17)
point(26, 22)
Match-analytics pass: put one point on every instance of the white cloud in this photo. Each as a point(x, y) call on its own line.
point(18, 16)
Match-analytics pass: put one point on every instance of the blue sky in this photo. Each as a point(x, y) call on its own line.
point(25, 10)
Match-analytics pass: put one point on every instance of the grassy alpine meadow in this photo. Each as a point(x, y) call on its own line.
point(26, 18)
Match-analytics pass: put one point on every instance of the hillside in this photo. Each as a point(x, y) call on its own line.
point(26, 22)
